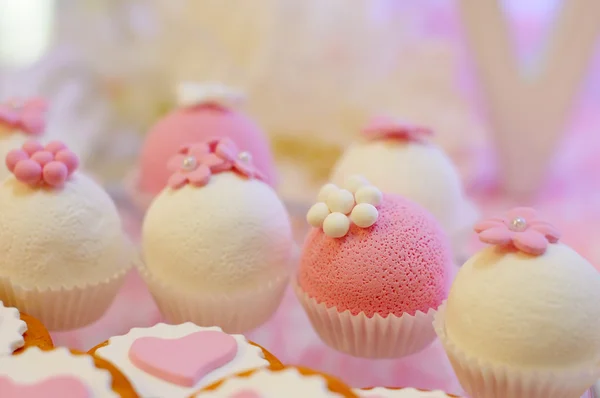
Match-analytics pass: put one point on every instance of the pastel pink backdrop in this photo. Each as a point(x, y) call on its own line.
point(570, 198)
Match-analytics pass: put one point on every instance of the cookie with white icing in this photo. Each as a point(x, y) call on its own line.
point(19, 331)
point(176, 360)
point(58, 373)
point(289, 382)
point(382, 392)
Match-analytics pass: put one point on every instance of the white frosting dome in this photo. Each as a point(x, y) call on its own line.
point(35, 365)
point(381, 392)
point(66, 237)
point(117, 352)
point(288, 383)
point(11, 330)
point(421, 173)
point(230, 234)
point(526, 311)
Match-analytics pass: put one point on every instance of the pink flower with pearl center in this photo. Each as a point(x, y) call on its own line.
point(520, 228)
point(383, 127)
point(196, 163)
point(35, 164)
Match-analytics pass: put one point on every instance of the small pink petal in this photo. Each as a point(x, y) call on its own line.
point(496, 236)
point(177, 180)
point(531, 242)
point(42, 157)
point(184, 149)
point(200, 176)
point(55, 173)
point(227, 149)
point(546, 229)
point(527, 213)
point(32, 147)
point(69, 159)
point(14, 157)
point(175, 163)
point(244, 169)
point(488, 224)
point(199, 150)
point(55, 146)
point(211, 160)
point(28, 171)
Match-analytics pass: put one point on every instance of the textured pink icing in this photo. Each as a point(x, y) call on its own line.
point(185, 126)
point(399, 265)
point(186, 360)
point(56, 387)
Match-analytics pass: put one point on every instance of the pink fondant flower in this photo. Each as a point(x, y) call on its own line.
point(383, 127)
point(36, 164)
point(194, 164)
point(28, 116)
point(521, 228)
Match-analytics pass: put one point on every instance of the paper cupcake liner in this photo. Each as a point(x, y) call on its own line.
point(62, 309)
point(484, 380)
point(237, 312)
point(139, 199)
point(361, 336)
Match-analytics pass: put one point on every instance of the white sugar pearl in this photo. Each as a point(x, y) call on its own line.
point(317, 214)
point(355, 182)
point(364, 215)
point(326, 191)
point(369, 194)
point(341, 201)
point(336, 225)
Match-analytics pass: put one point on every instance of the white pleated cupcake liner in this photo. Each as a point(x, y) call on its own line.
point(238, 312)
point(375, 337)
point(481, 379)
point(61, 308)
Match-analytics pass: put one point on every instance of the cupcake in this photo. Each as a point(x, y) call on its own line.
point(398, 158)
point(522, 316)
point(60, 373)
point(19, 122)
point(382, 392)
point(217, 242)
point(66, 231)
point(176, 360)
point(289, 382)
point(205, 111)
point(373, 270)
point(20, 331)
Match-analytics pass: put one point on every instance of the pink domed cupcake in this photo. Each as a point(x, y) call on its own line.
point(373, 271)
point(205, 112)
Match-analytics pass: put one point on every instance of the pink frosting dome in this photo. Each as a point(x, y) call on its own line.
point(194, 124)
point(398, 265)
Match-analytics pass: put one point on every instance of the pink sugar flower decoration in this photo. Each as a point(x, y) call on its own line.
point(28, 116)
point(521, 228)
point(383, 127)
point(35, 164)
point(196, 163)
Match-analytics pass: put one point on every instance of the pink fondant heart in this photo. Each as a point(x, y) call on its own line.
point(186, 360)
point(246, 394)
point(56, 387)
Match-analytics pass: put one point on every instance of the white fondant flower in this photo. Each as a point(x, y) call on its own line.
point(192, 94)
point(337, 208)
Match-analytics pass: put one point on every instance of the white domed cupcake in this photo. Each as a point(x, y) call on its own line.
point(400, 159)
point(217, 241)
point(64, 254)
point(522, 317)
point(20, 121)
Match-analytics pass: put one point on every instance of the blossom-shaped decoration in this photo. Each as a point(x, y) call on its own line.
point(194, 94)
point(383, 127)
point(520, 228)
point(338, 208)
point(28, 116)
point(35, 164)
point(196, 163)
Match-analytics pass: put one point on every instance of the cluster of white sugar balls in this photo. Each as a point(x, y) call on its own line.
point(356, 202)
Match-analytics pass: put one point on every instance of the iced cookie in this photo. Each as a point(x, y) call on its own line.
point(20, 331)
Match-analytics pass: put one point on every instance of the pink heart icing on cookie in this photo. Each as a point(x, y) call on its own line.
point(246, 394)
point(186, 360)
point(56, 387)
